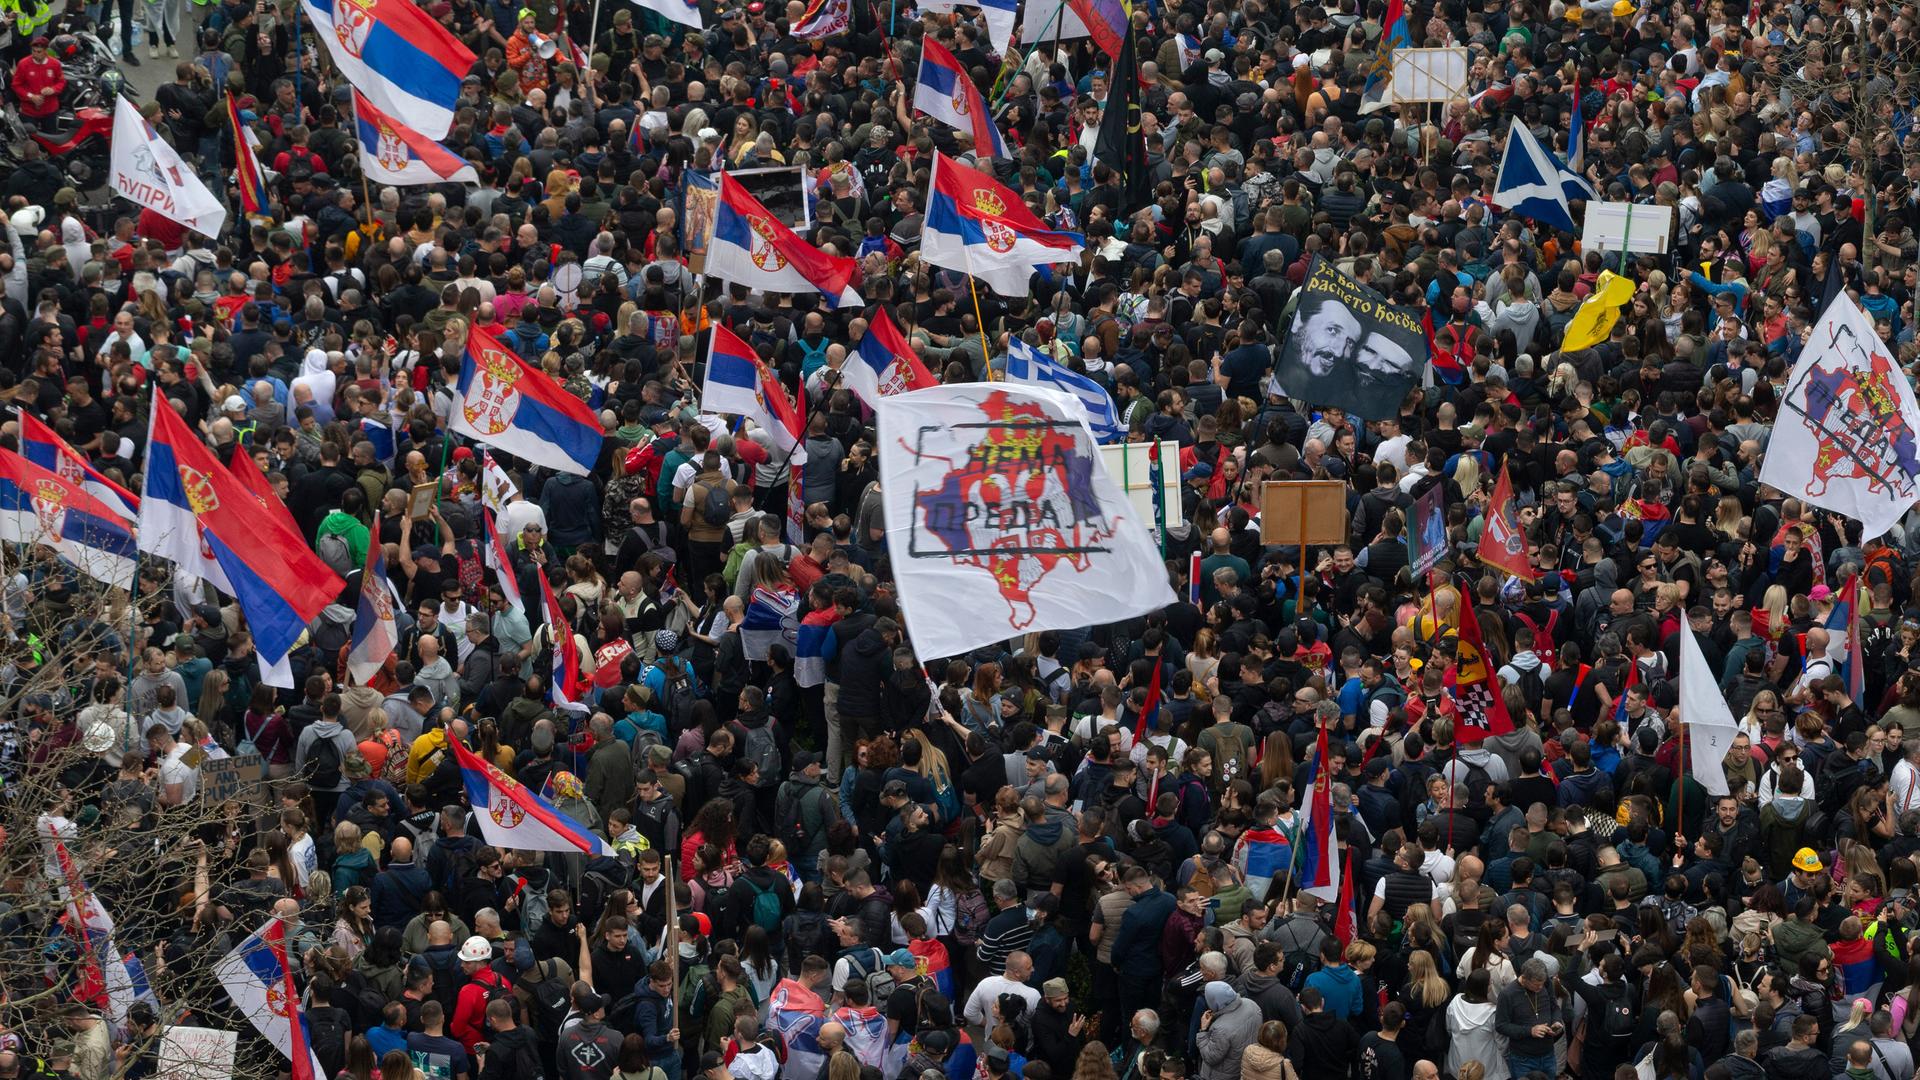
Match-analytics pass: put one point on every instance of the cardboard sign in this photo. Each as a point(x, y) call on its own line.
point(1313, 511)
point(233, 778)
point(196, 1053)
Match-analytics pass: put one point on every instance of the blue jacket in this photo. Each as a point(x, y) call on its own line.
point(652, 1020)
point(397, 891)
point(1136, 949)
point(1340, 987)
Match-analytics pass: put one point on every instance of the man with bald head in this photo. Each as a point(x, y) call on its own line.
point(1220, 556)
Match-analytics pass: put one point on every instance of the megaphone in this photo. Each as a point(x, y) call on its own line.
point(545, 47)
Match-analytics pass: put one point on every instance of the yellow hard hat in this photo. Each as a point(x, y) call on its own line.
point(1805, 860)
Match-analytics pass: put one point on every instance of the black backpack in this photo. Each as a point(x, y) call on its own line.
point(548, 1000)
point(1619, 1020)
point(595, 886)
point(327, 1032)
point(790, 818)
point(675, 700)
point(324, 763)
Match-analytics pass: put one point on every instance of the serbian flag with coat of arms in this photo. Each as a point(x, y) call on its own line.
point(511, 816)
point(259, 978)
point(947, 93)
point(393, 153)
point(977, 226)
point(1319, 866)
point(518, 409)
point(751, 247)
point(884, 363)
point(567, 685)
point(44, 447)
point(740, 383)
point(41, 507)
point(401, 57)
point(195, 512)
point(375, 632)
point(1476, 687)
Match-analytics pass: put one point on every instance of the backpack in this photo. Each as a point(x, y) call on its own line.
point(1543, 646)
point(765, 910)
point(1231, 750)
point(327, 1032)
point(1618, 1019)
point(644, 739)
point(790, 819)
point(870, 965)
point(809, 933)
point(661, 819)
point(323, 765)
point(595, 887)
point(333, 550)
point(970, 916)
point(1477, 780)
point(548, 1001)
point(675, 700)
point(246, 745)
point(716, 508)
point(760, 746)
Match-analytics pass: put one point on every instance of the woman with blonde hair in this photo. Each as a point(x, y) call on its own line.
point(1203, 660)
point(1276, 757)
point(1770, 618)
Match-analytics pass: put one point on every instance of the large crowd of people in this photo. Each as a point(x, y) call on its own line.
point(975, 867)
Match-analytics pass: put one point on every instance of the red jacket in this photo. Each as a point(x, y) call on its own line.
point(470, 1008)
point(32, 76)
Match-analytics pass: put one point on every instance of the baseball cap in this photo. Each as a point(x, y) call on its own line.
point(234, 403)
point(902, 958)
point(710, 1061)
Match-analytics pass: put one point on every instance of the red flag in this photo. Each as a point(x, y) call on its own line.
point(1150, 708)
point(1343, 918)
point(1502, 545)
point(1482, 708)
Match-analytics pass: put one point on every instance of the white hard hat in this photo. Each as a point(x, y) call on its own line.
point(477, 950)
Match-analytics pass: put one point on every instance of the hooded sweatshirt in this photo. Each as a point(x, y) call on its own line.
point(315, 377)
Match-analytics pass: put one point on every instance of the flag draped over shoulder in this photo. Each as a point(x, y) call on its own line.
point(773, 615)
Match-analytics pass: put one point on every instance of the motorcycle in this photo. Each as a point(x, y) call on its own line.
point(80, 144)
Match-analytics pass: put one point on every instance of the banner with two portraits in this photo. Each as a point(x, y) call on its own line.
point(1348, 348)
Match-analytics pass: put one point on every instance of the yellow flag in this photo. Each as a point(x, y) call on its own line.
point(1594, 321)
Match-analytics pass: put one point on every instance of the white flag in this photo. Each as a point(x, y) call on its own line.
point(684, 12)
point(149, 172)
point(496, 487)
point(1703, 709)
point(998, 507)
point(1848, 435)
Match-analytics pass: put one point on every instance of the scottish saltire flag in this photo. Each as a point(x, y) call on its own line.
point(375, 632)
point(684, 12)
point(248, 175)
point(739, 383)
point(509, 404)
point(393, 153)
point(977, 226)
point(822, 19)
point(44, 447)
point(884, 363)
point(797, 1013)
point(1026, 364)
point(400, 57)
point(258, 976)
point(196, 513)
point(773, 615)
point(814, 647)
point(1531, 182)
point(1319, 864)
point(497, 559)
point(511, 816)
point(751, 247)
point(947, 93)
point(38, 506)
point(1378, 92)
point(566, 686)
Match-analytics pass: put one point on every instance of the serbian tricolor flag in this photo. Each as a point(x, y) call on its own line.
point(1496, 95)
point(1447, 365)
point(44, 447)
point(1843, 627)
point(947, 93)
point(751, 247)
point(884, 364)
point(247, 174)
point(501, 562)
point(1502, 545)
point(1620, 703)
point(1193, 579)
point(406, 62)
point(104, 979)
point(511, 816)
point(38, 506)
point(195, 512)
point(1149, 719)
point(393, 153)
point(739, 383)
point(375, 633)
point(1319, 866)
point(567, 685)
point(515, 407)
point(977, 226)
point(1482, 709)
point(259, 978)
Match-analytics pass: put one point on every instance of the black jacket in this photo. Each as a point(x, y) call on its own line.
point(513, 1055)
point(863, 672)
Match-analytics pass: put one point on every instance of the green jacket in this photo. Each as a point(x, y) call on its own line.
point(720, 1019)
point(349, 528)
